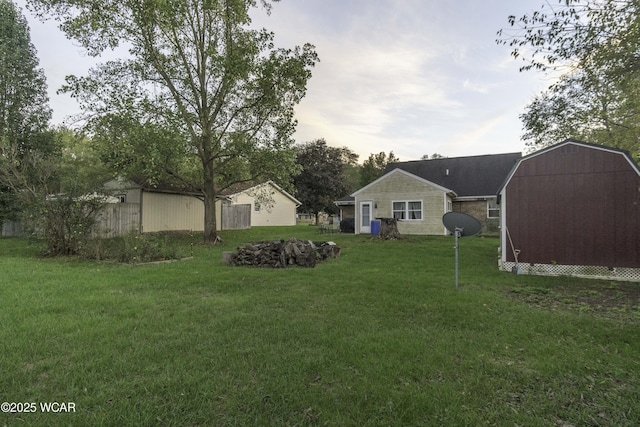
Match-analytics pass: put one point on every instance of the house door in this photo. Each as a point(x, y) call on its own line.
point(365, 217)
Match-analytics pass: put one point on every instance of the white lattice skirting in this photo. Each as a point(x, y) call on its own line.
point(586, 271)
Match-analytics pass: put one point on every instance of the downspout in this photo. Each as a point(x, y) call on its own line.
point(140, 219)
point(446, 209)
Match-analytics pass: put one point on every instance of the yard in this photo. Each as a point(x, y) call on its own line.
point(379, 336)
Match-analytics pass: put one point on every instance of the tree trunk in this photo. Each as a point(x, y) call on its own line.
point(388, 229)
point(210, 232)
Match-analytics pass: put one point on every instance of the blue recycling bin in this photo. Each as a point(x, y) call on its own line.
point(375, 226)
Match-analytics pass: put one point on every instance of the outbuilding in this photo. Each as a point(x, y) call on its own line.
point(572, 209)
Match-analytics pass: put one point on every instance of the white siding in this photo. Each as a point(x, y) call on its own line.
point(171, 212)
point(402, 186)
point(280, 211)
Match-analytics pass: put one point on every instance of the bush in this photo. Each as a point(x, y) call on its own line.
point(133, 248)
point(65, 223)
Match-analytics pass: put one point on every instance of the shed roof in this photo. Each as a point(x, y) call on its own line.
point(572, 141)
point(121, 183)
point(467, 176)
point(624, 153)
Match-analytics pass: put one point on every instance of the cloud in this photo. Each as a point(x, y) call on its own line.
point(476, 87)
point(412, 76)
point(366, 84)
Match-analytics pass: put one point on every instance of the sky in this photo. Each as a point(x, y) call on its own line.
point(414, 77)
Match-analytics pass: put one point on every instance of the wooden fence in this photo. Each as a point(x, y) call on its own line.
point(118, 219)
point(235, 217)
point(11, 229)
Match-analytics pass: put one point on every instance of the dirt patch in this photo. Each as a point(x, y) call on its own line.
point(600, 298)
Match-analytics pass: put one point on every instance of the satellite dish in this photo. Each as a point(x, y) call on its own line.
point(460, 225)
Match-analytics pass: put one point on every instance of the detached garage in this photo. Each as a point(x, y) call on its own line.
point(572, 209)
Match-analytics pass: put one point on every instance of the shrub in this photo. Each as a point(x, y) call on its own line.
point(65, 223)
point(133, 248)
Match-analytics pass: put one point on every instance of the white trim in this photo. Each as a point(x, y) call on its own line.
point(583, 271)
point(359, 229)
point(495, 200)
point(398, 170)
point(406, 209)
point(474, 198)
point(448, 207)
point(503, 225)
point(273, 184)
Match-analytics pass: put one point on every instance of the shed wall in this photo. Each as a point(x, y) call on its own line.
point(171, 212)
point(574, 205)
point(282, 210)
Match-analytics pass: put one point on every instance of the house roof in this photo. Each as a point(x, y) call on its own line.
point(120, 183)
point(472, 176)
point(409, 174)
point(164, 187)
point(345, 201)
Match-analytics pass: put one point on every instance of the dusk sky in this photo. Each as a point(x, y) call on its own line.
point(410, 76)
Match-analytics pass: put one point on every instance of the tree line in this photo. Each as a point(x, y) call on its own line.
point(206, 102)
point(235, 129)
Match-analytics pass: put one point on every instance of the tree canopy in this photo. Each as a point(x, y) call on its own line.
point(593, 46)
point(374, 166)
point(43, 172)
point(203, 99)
point(25, 145)
point(24, 104)
point(323, 179)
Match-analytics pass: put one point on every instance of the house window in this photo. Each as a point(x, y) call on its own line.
point(257, 207)
point(122, 198)
point(408, 210)
point(493, 210)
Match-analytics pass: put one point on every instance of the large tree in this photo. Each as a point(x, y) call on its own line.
point(374, 166)
point(207, 100)
point(593, 46)
point(43, 172)
point(323, 179)
point(25, 145)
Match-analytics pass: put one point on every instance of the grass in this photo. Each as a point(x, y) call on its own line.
point(379, 336)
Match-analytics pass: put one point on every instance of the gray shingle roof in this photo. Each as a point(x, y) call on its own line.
point(467, 176)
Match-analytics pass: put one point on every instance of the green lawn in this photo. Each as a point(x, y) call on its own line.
point(379, 336)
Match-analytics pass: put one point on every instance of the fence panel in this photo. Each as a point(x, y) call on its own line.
point(236, 217)
point(11, 229)
point(117, 219)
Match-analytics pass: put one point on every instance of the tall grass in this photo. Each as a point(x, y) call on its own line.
point(379, 336)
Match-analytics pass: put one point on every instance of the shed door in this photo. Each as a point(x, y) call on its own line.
point(365, 217)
